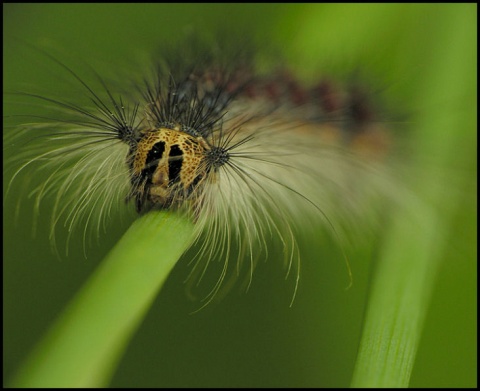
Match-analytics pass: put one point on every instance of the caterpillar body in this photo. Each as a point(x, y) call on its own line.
point(251, 157)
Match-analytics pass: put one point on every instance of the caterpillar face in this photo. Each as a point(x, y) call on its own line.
point(168, 165)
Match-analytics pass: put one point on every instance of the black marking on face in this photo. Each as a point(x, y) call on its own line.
point(153, 158)
point(175, 161)
point(194, 184)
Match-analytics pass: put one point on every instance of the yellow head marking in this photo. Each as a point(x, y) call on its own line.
point(170, 163)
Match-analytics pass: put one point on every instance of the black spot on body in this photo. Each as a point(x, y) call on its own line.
point(217, 157)
point(359, 108)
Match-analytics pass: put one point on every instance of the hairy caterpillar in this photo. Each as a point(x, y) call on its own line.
point(251, 157)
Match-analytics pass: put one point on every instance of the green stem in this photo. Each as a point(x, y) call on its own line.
point(85, 344)
point(398, 302)
point(407, 267)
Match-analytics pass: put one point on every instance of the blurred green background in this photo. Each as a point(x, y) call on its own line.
point(427, 55)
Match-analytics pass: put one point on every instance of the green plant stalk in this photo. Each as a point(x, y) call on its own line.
point(405, 275)
point(86, 342)
point(398, 302)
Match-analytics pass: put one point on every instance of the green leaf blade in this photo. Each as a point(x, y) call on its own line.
point(85, 344)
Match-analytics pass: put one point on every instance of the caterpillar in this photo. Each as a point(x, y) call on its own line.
point(252, 157)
